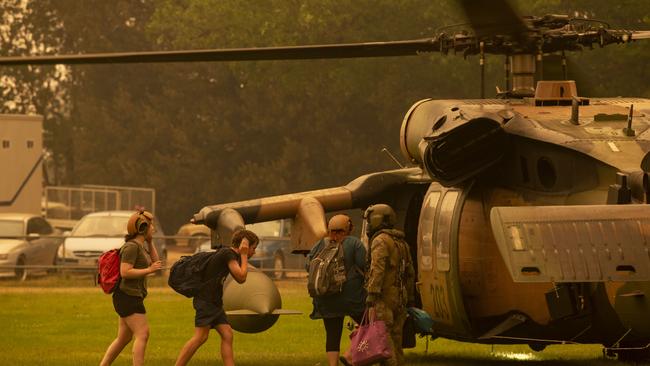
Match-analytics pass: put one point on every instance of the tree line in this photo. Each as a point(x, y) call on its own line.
point(206, 133)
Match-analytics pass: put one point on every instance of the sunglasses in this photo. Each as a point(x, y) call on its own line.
point(337, 231)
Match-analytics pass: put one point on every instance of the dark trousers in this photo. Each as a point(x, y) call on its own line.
point(333, 331)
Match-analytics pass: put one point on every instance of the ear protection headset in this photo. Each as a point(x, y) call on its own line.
point(139, 222)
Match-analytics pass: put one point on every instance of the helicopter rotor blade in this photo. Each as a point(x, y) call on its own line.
point(640, 35)
point(350, 50)
point(496, 17)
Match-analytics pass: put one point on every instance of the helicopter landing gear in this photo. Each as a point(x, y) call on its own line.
point(631, 355)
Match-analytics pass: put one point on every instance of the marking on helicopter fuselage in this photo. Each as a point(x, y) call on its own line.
point(613, 146)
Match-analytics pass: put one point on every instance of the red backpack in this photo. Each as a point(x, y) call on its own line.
point(108, 275)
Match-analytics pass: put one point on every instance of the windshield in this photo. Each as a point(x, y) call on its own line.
point(11, 228)
point(269, 228)
point(101, 226)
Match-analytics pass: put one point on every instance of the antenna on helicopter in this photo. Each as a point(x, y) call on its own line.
point(507, 73)
point(384, 149)
point(628, 130)
point(575, 110)
point(482, 63)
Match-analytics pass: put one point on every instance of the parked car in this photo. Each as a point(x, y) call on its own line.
point(98, 232)
point(21, 243)
point(198, 233)
point(274, 250)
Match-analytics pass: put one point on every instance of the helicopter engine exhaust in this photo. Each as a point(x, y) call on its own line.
point(452, 144)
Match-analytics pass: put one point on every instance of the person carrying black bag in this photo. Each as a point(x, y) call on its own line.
point(208, 303)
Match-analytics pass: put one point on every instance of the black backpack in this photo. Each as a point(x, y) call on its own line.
point(186, 275)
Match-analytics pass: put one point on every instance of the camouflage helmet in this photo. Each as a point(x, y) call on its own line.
point(379, 217)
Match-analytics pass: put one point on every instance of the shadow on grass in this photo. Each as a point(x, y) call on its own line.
point(432, 360)
point(447, 360)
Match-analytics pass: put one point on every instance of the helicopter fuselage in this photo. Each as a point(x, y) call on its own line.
point(547, 160)
point(526, 216)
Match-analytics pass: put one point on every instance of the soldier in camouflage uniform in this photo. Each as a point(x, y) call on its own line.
point(391, 279)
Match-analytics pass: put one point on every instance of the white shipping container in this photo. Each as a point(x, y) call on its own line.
point(21, 159)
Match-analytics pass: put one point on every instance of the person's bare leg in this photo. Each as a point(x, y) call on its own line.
point(200, 336)
point(333, 358)
point(124, 336)
point(140, 328)
point(345, 359)
point(227, 357)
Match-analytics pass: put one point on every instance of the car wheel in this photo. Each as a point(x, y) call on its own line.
point(21, 273)
point(196, 240)
point(278, 266)
point(52, 270)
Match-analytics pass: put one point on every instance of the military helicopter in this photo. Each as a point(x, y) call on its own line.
point(527, 213)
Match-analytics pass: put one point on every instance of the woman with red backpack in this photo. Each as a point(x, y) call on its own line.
point(138, 258)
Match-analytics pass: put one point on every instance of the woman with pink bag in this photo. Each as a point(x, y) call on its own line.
point(351, 300)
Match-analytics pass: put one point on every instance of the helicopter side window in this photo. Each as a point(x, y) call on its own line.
point(524, 170)
point(428, 216)
point(443, 235)
point(546, 173)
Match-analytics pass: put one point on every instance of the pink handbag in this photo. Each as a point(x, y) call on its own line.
point(369, 343)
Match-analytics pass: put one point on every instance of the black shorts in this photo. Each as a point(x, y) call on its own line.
point(126, 305)
point(208, 314)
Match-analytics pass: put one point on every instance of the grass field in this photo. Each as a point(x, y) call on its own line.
point(69, 322)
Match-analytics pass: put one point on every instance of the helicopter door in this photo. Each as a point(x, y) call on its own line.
point(437, 238)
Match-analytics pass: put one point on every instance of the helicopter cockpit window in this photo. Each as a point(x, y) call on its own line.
point(427, 216)
point(443, 236)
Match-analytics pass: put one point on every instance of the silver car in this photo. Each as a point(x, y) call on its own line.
point(22, 243)
point(98, 232)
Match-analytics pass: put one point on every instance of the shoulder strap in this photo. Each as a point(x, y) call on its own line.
point(324, 243)
point(125, 244)
point(138, 246)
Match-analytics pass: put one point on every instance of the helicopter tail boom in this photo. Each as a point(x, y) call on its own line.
point(359, 193)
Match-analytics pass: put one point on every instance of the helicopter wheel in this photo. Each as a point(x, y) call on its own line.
point(537, 347)
point(278, 266)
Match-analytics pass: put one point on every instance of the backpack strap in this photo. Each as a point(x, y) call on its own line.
point(141, 248)
point(124, 245)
